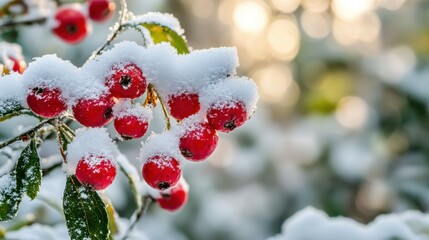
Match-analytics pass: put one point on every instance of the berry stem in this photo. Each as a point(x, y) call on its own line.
point(164, 109)
point(138, 214)
point(28, 133)
point(117, 29)
point(8, 25)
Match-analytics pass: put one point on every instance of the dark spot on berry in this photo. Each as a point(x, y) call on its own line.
point(165, 195)
point(71, 28)
point(187, 153)
point(230, 125)
point(125, 81)
point(163, 185)
point(228, 75)
point(126, 137)
point(38, 90)
point(108, 113)
point(105, 12)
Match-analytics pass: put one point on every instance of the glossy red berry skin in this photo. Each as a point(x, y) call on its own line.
point(175, 200)
point(100, 10)
point(126, 82)
point(94, 112)
point(72, 25)
point(228, 117)
point(161, 172)
point(197, 144)
point(96, 172)
point(130, 127)
point(183, 105)
point(46, 102)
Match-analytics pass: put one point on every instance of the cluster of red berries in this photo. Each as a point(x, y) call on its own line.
point(222, 106)
point(71, 24)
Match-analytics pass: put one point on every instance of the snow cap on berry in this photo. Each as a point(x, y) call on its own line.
point(125, 108)
point(89, 142)
point(52, 72)
point(12, 91)
point(164, 144)
point(229, 91)
point(207, 66)
point(188, 124)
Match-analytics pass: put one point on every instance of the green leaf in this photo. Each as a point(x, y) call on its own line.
point(85, 212)
point(10, 197)
point(28, 170)
point(165, 34)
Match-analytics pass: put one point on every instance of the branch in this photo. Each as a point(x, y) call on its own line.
point(28, 133)
point(164, 109)
point(13, 24)
point(146, 200)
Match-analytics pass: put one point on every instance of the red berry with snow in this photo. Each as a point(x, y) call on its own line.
point(94, 112)
point(198, 143)
point(46, 102)
point(18, 66)
point(174, 200)
point(96, 172)
point(101, 10)
point(126, 81)
point(72, 25)
point(183, 105)
point(227, 117)
point(161, 171)
point(130, 126)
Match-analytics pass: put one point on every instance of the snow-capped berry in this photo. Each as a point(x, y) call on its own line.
point(130, 127)
point(46, 102)
point(183, 105)
point(174, 200)
point(100, 10)
point(227, 117)
point(199, 142)
point(126, 81)
point(97, 172)
point(94, 112)
point(161, 171)
point(72, 25)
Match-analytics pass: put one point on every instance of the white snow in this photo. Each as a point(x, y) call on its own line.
point(230, 90)
point(126, 108)
point(163, 19)
point(89, 142)
point(311, 223)
point(164, 144)
point(12, 91)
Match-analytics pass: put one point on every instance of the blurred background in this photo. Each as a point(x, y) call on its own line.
point(342, 123)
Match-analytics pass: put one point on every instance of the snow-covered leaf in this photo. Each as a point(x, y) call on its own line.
point(10, 197)
point(28, 170)
point(8, 109)
point(161, 33)
point(85, 212)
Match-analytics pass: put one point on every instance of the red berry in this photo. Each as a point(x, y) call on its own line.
point(228, 117)
point(96, 172)
point(127, 81)
point(72, 25)
point(198, 143)
point(161, 172)
point(18, 66)
point(175, 199)
point(183, 105)
point(131, 127)
point(94, 112)
point(101, 10)
point(46, 102)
